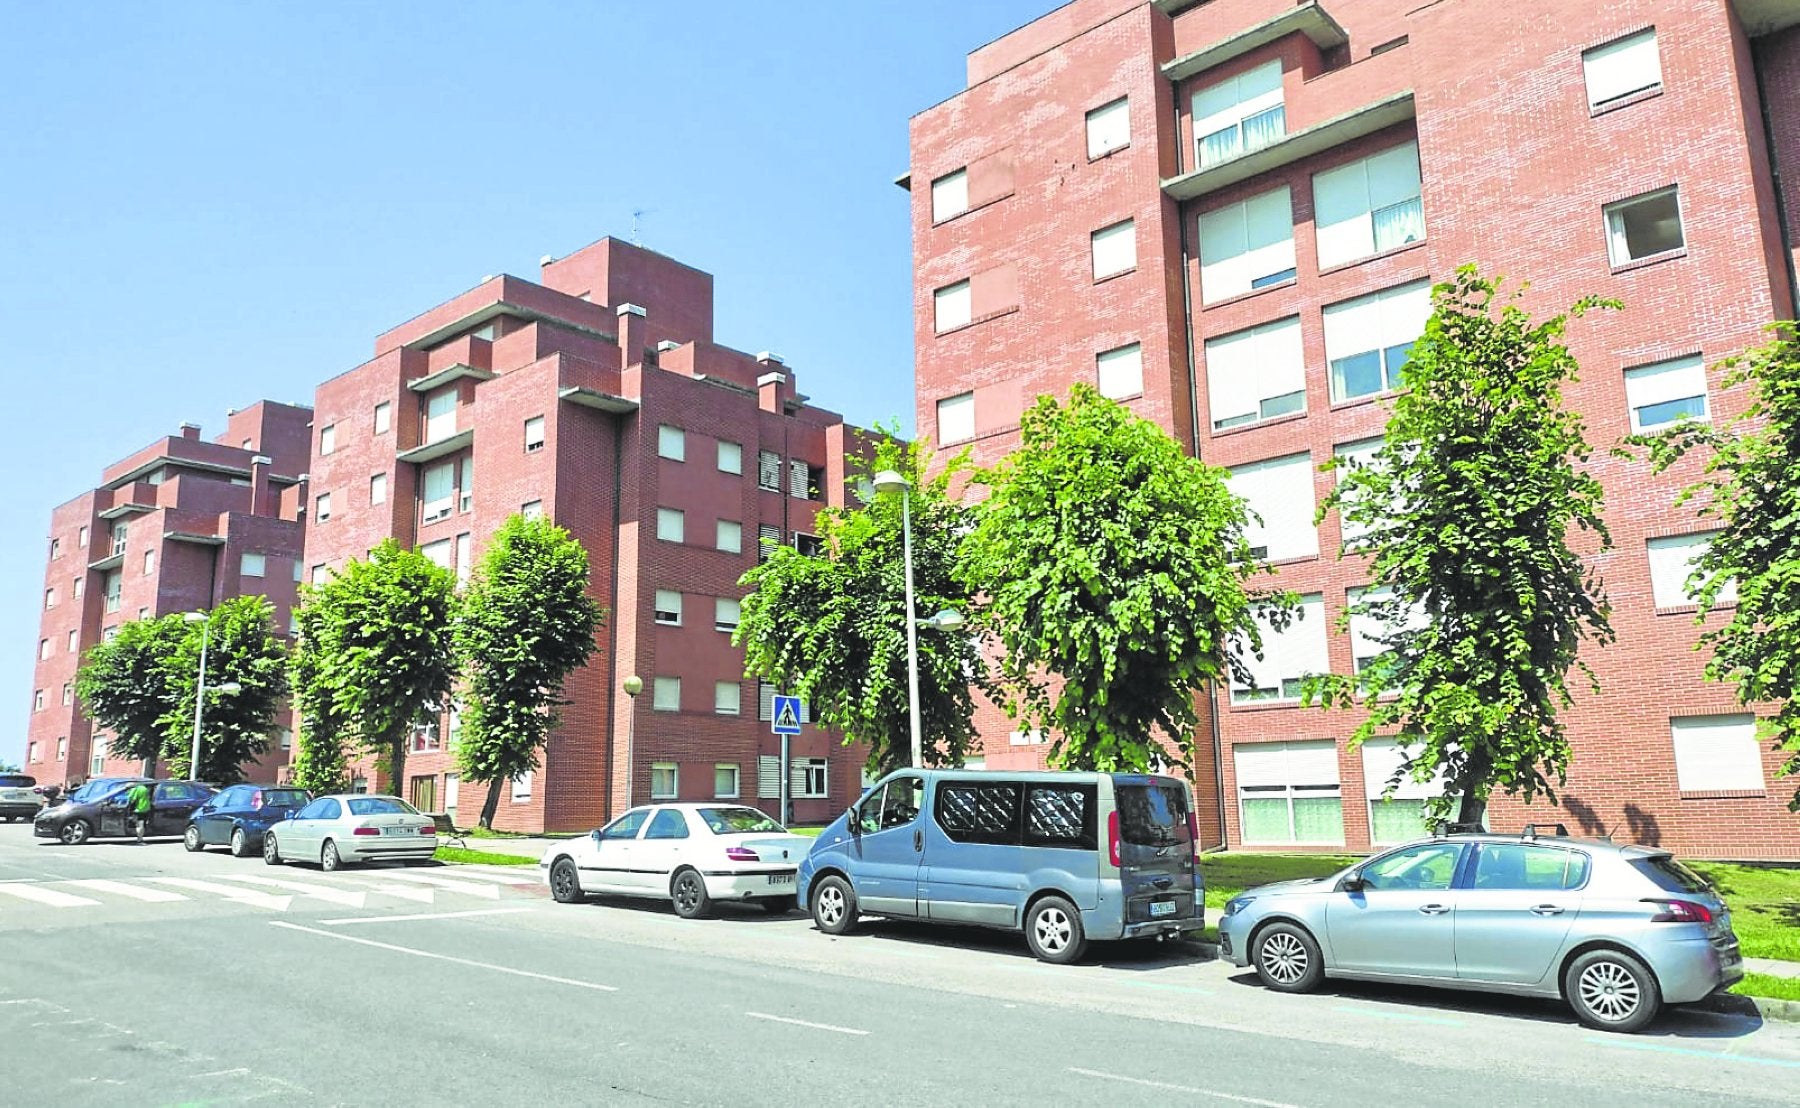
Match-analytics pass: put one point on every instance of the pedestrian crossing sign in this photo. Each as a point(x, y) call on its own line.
point(787, 716)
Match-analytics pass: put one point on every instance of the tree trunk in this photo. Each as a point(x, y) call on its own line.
point(1472, 811)
point(490, 805)
point(1472, 786)
point(396, 761)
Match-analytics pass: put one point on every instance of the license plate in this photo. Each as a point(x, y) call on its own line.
point(1162, 908)
point(398, 831)
point(781, 879)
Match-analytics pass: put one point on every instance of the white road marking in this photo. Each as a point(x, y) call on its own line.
point(1214, 1093)
point(806, 1023)
point(229, 892)
point(120, 888)
point(476, 874)
point(425, 915)
point(423, 896)
point(51, 897)
point(491, 892)
point(323, 892)
point(446, 957)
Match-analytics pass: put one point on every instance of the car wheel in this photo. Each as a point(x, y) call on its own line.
point(779, 905)
point(75, 832)
point(191, 839)
point(1287, 958)
point(271, 852)
point(1053, 931)
point(240, 843)
point(565, 882)
point(328, 858)
point(1612, 991)
point(688, 892)
point(834, 905)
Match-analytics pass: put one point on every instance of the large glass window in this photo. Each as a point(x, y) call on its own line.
point(979, 813)
point(1239, 114)
point(1255, 374)
point(1289, 792)
point(1367, 340)
point(1368, 206)
point(1247, 245)
point(1288, 655)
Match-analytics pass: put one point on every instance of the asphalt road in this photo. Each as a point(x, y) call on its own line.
point(145, 975)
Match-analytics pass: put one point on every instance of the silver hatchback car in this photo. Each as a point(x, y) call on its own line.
point(1616, 931)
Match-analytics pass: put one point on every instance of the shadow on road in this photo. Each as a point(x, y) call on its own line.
point(1133, 954)
point(732, 910)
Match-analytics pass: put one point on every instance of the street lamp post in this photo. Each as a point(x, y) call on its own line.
point(632, 686)
point(888, 481)
point(227, 688)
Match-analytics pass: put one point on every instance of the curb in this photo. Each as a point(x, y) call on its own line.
point(1763, 1007)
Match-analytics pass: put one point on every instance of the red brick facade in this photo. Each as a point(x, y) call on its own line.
point(561, 391)
point(1516, 169)
point(167, 531)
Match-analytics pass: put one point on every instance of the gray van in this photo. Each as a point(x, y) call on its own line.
point(1065, 857)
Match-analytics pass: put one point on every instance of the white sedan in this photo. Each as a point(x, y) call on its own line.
point(350, 827)
point(693, 854)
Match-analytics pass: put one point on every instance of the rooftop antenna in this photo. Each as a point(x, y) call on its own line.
point(637, 218)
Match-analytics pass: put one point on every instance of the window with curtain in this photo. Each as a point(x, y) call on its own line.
point(1289, 792)
point(1396, 800)
point(1239, 114)
point(1368, 206)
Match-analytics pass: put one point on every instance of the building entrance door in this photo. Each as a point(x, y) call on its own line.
point(424, 793)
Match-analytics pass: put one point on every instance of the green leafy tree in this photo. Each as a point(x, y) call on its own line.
point(127, 686)
point(1469, 510)
point(320, 764)
point(1116, 569)
point(831, 627)
point(525, 624)
point(1751, 486)
point(8, 766)
point(383, 648)
point(242, 648)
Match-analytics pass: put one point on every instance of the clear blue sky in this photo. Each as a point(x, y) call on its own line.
point(209, 203)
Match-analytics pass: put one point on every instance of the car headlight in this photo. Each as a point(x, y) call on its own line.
point(1237, 904)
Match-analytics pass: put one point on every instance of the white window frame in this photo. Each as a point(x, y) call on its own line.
point(1677, 380)
point(1280, 492)
point(252, 564)
point(327, 439)
point(728, 535)
point(950, 195)
point(534, 434)
point(768, 471)
point(731, 457)
point(1618, 246)
point(1304, 768)
point(1255, 374)
point(1623, 67)
point(953, 306)
point(667, 607)
point(440, 414)
point(442, 506)
point(1113, 249)
point(1672, 561)
point(956, 418)
point(665, 694)
point(728, 698)
point(811, 778)
point(1288, 656)
point(383, 417)
point(1717, 753)
point(1247, 106)
point(1240, 250)
point(74, 641)
point(670, 786)
point(724, 607)
point(1119, 373)
point(1108, 127)
point(671, 442)
point(1368, 206)
point(377, 489)
point(671, 524)
point(521, 787)
point(735, 789)
point(1393, 319)
point(322, 507)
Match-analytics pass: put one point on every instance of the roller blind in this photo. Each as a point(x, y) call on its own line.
point(1249, 367)
point(1280, 492)
point(1622, 68)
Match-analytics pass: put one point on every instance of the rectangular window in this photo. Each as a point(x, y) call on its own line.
point(55, 549)
point(952, 306)
point(465, 558)
point(1370, 631)
point(31, 752)
point(665, 780)
point(1673, 559)
point(1256, 374)
point(1247, 245)
point(50, 598)
point(1279, 494)
point(808, 778)
point(327, 438)
point(1114, 249)
point(1367, 340)
point(62, 749)
point(317, 575)
point(452, 787)
point(800, 485)
point(439, 490)
point(1289, 792)
point(439, 553)
point(671, 525)
point(665, 696)
point(149, 562)
point(731, 457)
point(730, 537)
point(1109, 127)
point(956, 418)
point(1717, 753)
point(440, 415)
point(768, 471)
point(765, 707)
point(768, 537)
point(120, 532)
point(1368, 206)
point(1621, 67)
point(252, 564)
point(1120, 373)
point(74, 641)
point(384, 417)
point(534, 434)
point(1353, 455)
point(115, 583)
point(1665, 393)
point(725, 781)
point(726, 613)
point(521, 787)
point(37, 700)
point(75, 584)
point(727, 698)
point(68, 693)
point(1644, 226)
point(671, 443)
point(1395, 816)
point(532, 509)
point(949, 195)
point(377, 489)
point(44, 649)
point(1239, 114)
point(81, 539)
point(668, 607)
point(1288, 655)
point(810, 545)
point(466, 501)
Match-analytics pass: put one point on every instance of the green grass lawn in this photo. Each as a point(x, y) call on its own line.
point(458, 854)
point(1230, 874)
point(1765, 907)
point(1769, 985)
point(809, 832)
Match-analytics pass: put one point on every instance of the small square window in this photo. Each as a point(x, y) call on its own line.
point(731, 457)
point(384, 417)
point(327, 438)
point(534, 434)
point(1109, 127)
point(671, 443)
point(1717, 753)
point(727, 698)
point(726, 613)
point(956, 418)
point(952, 306)
point(532, 509)
point(668, 607)
point(1621, 67)
point(1114, 249)
point(730, 537)
point(1121, 372)
point(322, 507)
point(378, 489)
point(725, 781)
point(671, 525)
point(665, 780)
point(949, 195)
point(665, 695)
point(1644, 226)
point(252, 564)
point(1666, 393)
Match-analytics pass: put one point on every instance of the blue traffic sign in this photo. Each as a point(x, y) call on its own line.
point(786, 719)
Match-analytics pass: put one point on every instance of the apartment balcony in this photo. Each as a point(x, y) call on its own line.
point(129, 499)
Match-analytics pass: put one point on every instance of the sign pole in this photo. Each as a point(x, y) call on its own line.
point(787, 782)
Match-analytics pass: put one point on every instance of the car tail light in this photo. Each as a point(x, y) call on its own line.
point(1194, 833)
point(366, 831)
point(741, 854)
point(256, 799)
point(1112, 836)
point(1679, 911)
point(428, 829)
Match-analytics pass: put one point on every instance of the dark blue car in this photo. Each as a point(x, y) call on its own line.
point(238, 817)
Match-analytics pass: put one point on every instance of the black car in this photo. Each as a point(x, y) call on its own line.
point(88, 814)
point(19, 798)
point(238, 817)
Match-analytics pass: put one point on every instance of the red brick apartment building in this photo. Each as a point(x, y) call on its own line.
point(1228, 214)
point(179, 526)
point(598, 398)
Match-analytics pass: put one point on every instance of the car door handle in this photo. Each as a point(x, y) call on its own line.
point(918, 840)
point(1434, 909)
point(1547, 910)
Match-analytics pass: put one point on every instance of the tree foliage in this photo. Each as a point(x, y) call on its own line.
point(1116, 569)
point(524, 625)
point(1751, 487)
point(1469, 509)
point(242, 647)
point(125, 685)
point(381, 637)
point(320, 764)
point(831, 628)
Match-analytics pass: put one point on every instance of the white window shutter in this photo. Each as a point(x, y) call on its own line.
point(1269, 234)
point(1677, 379)
point(1404, 312)
point(1352, 327)
point(1394, 176)
point(953, 306)
point(1120, 373)
point(1382, 758)
point(1109, 127)
point(1341, 214)
point(1621, 68)
point(1312, 763)
point(1224, 253)
point(768, 777)
point(956, 418)
point(1717, 753)
point(1280, 491)
point(1114, 249)
point(949, 195)
point(1304, 645)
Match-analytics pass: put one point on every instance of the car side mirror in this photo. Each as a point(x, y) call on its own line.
point(1352, 883)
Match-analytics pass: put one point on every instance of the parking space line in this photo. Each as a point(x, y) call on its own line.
point(341, 937)
point(1407, 1017)
point(1693, 1052)
point(1214, 1093)
point(424, 915)
point(806, 1023)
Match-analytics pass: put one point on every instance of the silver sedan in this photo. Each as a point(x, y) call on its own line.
point(351, 827)
point(1615, 931)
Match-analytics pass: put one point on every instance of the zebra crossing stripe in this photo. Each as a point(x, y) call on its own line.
point(491, 892)
point(323, 892)
point(120, 888)
point(41, 895)
point(497, 877)
point(229, 892)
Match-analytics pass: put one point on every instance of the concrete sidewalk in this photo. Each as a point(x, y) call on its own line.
point(531, 847)
point(1776, 966)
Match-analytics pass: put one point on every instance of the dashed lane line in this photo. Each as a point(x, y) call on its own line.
point(1194, 1090)
point(806, 1023)
point(344, 922)
point(341, 937)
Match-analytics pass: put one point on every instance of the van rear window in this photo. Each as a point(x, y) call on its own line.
point(1061, 816)
point(1153, 815)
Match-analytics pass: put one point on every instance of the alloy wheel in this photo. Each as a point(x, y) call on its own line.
point(75, 832)
point(1053, 930)
point(191, 838)
point(562, 882)
point(1284, 957)
point(239, 844)
point(687, 892)
point(1610, 991)
point(831, 906)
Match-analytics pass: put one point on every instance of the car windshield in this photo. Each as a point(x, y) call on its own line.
point(1670, 874)
point(284, 798)
point(380, 806)
point(732, 821)
point(1153, 815)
